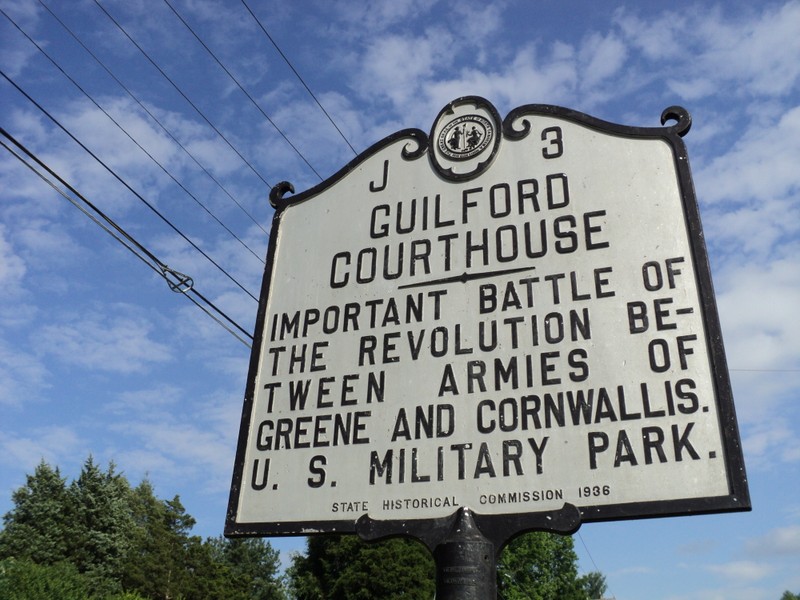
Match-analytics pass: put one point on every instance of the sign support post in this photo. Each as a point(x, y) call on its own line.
point(466, 566)
point(466, 545)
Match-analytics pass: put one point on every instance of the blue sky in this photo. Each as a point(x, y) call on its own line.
point(98, 356)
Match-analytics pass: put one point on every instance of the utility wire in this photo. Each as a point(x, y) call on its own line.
point(125, 183)
point(239, 85)
point(153, 117)
point(308, 89)
point(591, 558)
point(183, 95)
point(130, 137)
point(766, 370)
point(178, 282)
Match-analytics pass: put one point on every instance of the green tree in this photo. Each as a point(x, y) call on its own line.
point(159, 536)
point(165, 561)
point(36, 528)
point(787, 595)
point(539, 566)
point(345, 568)
point(98, 539)
point(594, 584)
point(534, 566)
point(252, 566)
point(23, 579)
point(205, 578)
point(98, 506)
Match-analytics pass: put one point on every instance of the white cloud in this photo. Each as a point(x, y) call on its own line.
point(742, 570)
point(761, 166)
point(479, 24)
point(635, 570)
point(770, 443)
point(757, 53)
point(47, 244)
point(54, 444)
point(22, 376)
point(758, 305)
point(15, 57)
point(176, 434)
point(372, 18)
point(150, 402)
point(781, 542)
point(12, 267)
point(753, 55)
point(552, 77)
point(186, 450)
point(398, 66)
point(117, 150)
point(117, 344)
point(692, 89)
point(657, 39)
point(601, 58)
point(98, 133)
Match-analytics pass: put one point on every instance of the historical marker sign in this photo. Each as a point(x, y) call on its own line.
point(502, 315)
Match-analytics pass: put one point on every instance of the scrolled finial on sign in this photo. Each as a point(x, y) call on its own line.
point(418, 138)
point(516, 126)
point(679, 114)
point(277, 192)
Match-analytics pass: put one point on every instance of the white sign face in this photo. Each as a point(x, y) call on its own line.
point(503, 320)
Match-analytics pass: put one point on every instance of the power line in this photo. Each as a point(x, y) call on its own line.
point(178, 282)
point(308, 89)
point(767, 370)
point(591, 558)
point(130, 137)
point(125, 183)
point(154, 118)
point(183, 95)
point(239, 85)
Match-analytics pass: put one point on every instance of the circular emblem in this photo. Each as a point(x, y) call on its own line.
point(465, 136)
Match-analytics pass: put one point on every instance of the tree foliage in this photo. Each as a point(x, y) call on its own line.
point(787, 595)
point(27, 580)
point(37, 527)
point(345, 568)
point(100, 539)
point(539, 566)
point(534, 566)
point(159, 539)
point(98, 505)
point(594, 584)
point(252, 565)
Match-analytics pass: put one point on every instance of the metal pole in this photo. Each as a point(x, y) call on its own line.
point(465, 545)
point(465, 562)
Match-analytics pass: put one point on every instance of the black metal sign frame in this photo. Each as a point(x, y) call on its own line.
point(500, 528)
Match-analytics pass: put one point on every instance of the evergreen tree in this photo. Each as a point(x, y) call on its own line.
point(36, 528)
point(98, 539)
point(154, 565)
point(252, 566)
point(204, 578)
point(100, 523)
